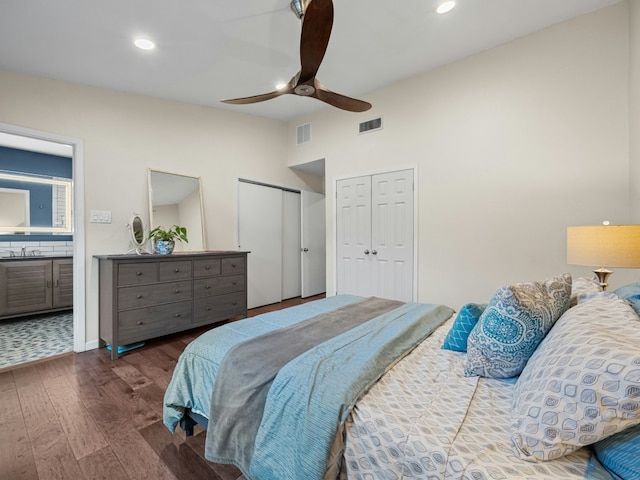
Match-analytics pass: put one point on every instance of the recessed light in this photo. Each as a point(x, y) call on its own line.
point(144, 44)
point(445, 7)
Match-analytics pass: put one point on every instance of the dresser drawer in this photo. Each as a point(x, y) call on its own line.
point(219, 307)
point(146, 295)
point(204, 287)
point(137, 273)
point(150, 322)
point(173, 271)
point(207, 267)
point(232, 265)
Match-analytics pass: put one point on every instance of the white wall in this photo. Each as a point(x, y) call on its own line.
point(512, 145)
point(634, 108)
point(124, 135)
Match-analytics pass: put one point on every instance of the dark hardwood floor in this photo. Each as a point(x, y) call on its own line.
point(84, 416)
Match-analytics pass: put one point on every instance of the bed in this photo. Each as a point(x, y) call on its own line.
point(420, 406)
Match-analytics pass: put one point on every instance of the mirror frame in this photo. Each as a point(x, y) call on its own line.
point(67, 227)
point(137, 234)
point(152, 225)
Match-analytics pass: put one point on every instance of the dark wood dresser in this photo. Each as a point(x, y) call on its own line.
point(147, 296)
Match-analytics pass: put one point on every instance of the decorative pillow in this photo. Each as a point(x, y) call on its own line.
point(620, 453)
point(467, 318)
point(513, 324)
point(631, 293)
point(583, 382)
point(583, 285)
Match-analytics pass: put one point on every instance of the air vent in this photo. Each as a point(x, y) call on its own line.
point(371, 125)
point(303, 134)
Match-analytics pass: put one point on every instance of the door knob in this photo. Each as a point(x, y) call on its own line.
point(366, 252)
point(375, 252)
point(304, 249)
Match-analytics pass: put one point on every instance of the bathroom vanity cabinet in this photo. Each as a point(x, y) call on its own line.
point(30, 285)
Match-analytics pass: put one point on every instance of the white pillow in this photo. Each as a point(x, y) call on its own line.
point(582, 384)
point(582, 286)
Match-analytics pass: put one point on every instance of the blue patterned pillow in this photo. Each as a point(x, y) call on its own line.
point(467, 318)
point(631, 293)
point(513, 324)
point(620, 453)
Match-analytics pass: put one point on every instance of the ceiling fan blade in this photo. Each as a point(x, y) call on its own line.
point(316, 30)
point(340, 101)
point(258, 98)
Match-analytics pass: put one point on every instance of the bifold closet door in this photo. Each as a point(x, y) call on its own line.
point(260, 232)
point(353, 246)
point(375, 235)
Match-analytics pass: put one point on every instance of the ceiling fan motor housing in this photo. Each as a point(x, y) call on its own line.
point(299, 7)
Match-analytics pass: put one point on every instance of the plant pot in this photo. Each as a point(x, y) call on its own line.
point(164, 247)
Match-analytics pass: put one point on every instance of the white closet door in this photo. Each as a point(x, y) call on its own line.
point(353, 246)
point(260, 232)
point(392, 237)
point(314, 244)
point(291, 226)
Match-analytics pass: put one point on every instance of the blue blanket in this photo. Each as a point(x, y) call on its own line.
point(301, 435)
point(194, 375)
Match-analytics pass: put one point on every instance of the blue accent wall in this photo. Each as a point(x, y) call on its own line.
point(22, 161)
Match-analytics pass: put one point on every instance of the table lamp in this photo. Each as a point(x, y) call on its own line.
point(604, 246)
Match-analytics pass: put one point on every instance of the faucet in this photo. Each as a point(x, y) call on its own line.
point(23, 252)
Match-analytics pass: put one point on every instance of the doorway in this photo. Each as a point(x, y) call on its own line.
point(77, 159)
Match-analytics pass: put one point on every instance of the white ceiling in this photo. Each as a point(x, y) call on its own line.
point(208, 50)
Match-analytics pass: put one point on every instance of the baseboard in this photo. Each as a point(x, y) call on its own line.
point(92, 345)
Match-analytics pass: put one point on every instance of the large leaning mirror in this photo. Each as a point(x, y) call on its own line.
point(177, 200)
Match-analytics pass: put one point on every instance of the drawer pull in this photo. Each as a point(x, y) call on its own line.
point(139, 274)
point(208, 309)
point(177, 315)
point(207, 267)
point(234, 303)
point(207, 287)
point(140, 322)
point(234, 283)
point(233, 265)
point(138, 296)
point(177, 291)
point(176, 270)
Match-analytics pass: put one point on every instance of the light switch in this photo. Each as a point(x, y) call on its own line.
point(100, 216)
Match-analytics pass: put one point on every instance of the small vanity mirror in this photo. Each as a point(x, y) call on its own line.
point(137, 234)
point(177, 200)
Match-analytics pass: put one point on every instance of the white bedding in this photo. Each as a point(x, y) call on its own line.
point(425, 420)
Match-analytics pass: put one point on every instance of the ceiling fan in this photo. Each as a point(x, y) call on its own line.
point(317, 21)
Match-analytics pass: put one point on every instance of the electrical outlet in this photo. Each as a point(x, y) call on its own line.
point(100, 216)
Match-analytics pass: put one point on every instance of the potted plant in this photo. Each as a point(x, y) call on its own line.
point(164, 240)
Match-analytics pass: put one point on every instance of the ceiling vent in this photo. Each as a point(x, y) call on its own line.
point(371, 125)
point(303, 134)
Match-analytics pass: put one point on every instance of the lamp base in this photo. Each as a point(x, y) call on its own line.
point(603, 275)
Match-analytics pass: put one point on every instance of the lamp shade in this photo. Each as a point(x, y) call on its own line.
point(604, 246)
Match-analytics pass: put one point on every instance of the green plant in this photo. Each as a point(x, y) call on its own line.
point(172, 234)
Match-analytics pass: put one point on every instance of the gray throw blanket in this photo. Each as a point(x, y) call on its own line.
point(248, 370)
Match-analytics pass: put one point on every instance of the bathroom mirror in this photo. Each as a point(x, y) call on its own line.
point(177, 200)
point(137, 235)
point(34, 204)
